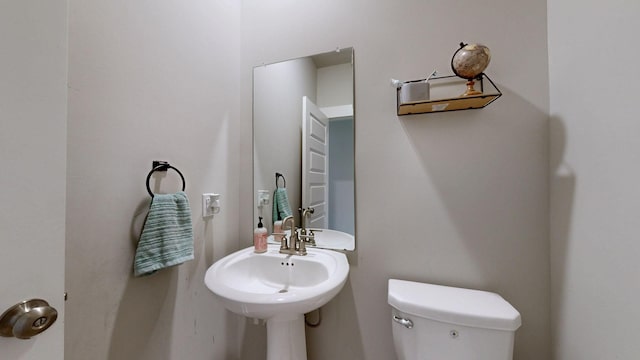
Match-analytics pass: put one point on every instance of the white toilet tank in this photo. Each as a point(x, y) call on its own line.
point(434, 322)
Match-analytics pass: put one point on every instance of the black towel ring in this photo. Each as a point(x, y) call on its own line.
point(278, 175)
point(163, 166)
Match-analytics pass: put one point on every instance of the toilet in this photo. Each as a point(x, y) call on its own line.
point(435, 322)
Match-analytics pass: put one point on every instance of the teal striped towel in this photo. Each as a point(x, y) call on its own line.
point(167, 235)
point(281, 208)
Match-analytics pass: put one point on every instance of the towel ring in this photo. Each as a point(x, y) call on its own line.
point(278, 175)
point(163, 166)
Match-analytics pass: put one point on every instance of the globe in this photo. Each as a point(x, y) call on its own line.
point(468, 62)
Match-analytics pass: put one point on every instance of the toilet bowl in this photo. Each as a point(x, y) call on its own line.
point(434, 322)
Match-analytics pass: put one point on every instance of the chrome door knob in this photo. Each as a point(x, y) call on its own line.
point(27, 319)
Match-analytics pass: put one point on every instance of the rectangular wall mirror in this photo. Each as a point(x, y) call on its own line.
point(304, 130)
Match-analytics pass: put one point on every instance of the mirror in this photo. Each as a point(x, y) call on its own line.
point(303, 129)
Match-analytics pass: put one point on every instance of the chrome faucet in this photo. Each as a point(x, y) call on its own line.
point(295, 246)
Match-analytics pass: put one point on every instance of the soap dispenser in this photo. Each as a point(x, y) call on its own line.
point(260, 237)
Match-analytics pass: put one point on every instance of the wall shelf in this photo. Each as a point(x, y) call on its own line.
point(443, 87)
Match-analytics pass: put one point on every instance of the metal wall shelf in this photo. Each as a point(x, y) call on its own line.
point(450, 103)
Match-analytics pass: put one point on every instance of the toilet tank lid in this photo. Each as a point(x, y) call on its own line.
point(465, 307)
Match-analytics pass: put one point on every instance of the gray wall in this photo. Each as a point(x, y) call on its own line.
point(341, 175)
point(335, 85)
point(464, 194)
point(149, 81)
point(594, 181)
point(278, 92)
point(455, 198)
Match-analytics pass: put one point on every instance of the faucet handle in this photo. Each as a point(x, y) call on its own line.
point(305, 211)
point(302, 250)
point(283, 242)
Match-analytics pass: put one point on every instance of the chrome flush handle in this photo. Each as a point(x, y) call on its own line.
point(404, 322)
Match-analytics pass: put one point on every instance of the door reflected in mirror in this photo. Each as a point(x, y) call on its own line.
point(304, 129)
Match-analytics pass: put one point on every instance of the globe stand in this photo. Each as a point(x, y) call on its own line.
point(470, 90)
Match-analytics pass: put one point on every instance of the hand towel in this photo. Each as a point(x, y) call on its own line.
point(281, 208)
point(167, 235)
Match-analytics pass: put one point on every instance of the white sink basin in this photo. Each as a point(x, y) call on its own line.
point(334, 239)
point(279, 288)
point(271, 284)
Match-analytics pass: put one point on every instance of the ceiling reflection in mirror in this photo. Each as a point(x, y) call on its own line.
point(304, 130)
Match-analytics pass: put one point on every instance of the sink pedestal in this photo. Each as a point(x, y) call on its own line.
point(285, 338)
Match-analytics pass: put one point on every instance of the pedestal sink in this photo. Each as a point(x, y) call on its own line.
point(280, 289)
